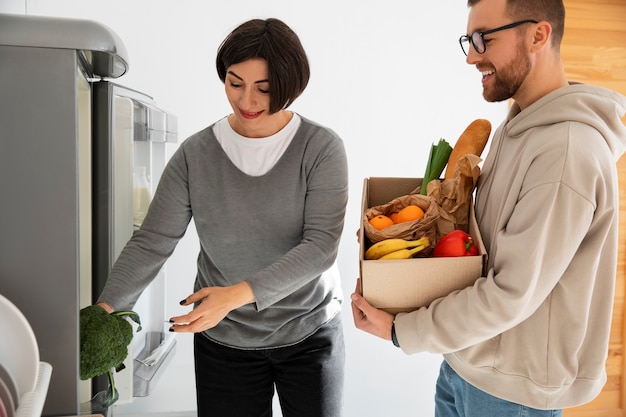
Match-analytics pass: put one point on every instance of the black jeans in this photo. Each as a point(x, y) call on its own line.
point(308, 377)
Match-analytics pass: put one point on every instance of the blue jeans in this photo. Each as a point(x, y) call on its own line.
point(308, 377)
point(456, 398)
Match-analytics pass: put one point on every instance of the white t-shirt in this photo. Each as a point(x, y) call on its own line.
point(255, 156)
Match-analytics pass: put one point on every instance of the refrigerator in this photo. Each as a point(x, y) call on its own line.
point(80, 155)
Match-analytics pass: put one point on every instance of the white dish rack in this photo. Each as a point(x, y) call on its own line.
point(31, 403)
point(29, 377)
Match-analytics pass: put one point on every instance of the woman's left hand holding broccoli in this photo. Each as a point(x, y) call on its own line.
point(214, 304)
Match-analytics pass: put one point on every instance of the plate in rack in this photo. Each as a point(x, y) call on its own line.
point(6, 400)
point(8, 379)
point(3, 410)
point(20, 357)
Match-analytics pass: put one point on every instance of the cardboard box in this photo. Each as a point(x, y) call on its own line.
point(407, 284)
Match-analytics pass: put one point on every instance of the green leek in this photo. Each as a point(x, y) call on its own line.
point(437, 160)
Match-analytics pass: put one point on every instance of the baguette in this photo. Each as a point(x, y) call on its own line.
point(472, 141)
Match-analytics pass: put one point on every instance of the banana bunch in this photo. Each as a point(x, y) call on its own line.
point(396, 248)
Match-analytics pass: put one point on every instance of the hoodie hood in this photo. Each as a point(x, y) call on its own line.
point(597, 107)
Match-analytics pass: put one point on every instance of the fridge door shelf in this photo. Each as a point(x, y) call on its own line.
point(151, 361)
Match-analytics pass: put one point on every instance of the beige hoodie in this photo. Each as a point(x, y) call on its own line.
point(535, 330)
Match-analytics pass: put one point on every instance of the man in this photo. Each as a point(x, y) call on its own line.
point(530, 337)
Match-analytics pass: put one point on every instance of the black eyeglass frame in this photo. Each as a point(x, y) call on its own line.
point(470, 38)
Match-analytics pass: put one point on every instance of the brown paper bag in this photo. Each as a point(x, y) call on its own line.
point(413, 230)
point(446, 207)
point(454, 195)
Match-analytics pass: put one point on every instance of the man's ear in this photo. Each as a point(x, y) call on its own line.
point(541, 35)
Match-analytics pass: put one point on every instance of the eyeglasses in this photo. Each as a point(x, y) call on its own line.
point(478, 38)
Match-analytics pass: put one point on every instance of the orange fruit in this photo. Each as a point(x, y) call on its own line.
point(380, 222)
point(410, 213)
point(394, 217)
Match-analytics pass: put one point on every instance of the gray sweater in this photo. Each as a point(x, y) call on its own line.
point(280, 232)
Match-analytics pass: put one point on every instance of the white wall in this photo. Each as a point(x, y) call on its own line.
point(389, 77)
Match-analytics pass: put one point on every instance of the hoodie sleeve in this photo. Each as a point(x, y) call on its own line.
point(522, 278)
point(550, 214)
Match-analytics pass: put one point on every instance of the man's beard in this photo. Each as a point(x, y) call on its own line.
point(509, 79)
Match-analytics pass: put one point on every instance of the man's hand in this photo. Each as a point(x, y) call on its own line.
point(368, 318)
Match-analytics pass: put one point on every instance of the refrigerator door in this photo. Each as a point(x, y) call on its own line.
point(130, 137)
point(113, 140)
point(45, 183)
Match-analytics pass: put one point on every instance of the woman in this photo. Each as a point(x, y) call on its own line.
point(267, 190)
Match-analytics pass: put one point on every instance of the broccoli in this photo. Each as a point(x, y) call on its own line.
point(104, 340)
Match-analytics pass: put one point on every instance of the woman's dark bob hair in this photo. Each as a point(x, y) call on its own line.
point(273, 41)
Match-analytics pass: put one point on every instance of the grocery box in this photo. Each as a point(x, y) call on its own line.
point(406, 284)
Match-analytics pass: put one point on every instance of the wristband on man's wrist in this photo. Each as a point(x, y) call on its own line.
point(394, 338)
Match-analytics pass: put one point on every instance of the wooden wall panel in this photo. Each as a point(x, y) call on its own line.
point(594, 52)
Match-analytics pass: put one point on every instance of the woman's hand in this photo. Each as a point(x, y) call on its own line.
point(107, 307)
point(215, 304)
point(368, 318)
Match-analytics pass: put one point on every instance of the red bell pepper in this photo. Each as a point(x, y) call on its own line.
point(455, 243)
